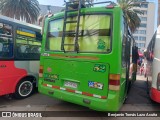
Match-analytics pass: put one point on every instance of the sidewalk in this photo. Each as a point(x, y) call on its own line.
point(138, 93)
point(141, 77)
point(137, 100)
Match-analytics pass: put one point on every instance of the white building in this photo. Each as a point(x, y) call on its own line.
point(147, 28)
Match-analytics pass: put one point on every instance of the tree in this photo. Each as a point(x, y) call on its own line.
point(131, 14)
point(27, 10)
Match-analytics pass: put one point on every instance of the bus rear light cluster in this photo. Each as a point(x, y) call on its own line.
point(41, 71)
point(158, 81)
point(114, 82)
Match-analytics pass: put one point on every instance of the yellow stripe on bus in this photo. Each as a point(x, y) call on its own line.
point(25, 33)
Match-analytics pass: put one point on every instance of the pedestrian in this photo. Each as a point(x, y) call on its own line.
point(145, 66)
point(133, 66)
point(141, 68)
point(135, 57)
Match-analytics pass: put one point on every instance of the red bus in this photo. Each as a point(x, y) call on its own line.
point(152, 67)
point(20, 45)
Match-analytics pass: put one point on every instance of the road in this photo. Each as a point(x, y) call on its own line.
point(137, 100)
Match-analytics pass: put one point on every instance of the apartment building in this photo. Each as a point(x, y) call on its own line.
point(158, 12)
point(147, 27)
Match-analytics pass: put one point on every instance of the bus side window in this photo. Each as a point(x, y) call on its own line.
point(28, 42)
point(124, 45)
point(150, 49)
point(124, 51)
point(22, 49)
point(6, 40)
point(38, 36)
point(1, 46)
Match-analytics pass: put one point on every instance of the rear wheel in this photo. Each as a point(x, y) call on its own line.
point(24, 89)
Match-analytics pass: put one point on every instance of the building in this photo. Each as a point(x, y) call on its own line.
point(146, 30)
point(53, 9)
point(45, 9)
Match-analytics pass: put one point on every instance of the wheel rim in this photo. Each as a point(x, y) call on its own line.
point(25, 88)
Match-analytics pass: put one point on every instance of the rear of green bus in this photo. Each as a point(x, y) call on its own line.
point(91, 75)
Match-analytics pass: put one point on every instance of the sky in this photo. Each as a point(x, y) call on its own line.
point(51, 2)
point(59, 2)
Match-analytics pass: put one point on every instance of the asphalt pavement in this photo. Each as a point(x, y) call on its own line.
point(137, 101)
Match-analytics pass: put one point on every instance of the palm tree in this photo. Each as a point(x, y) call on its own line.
point(131, 14)
point(27, 10)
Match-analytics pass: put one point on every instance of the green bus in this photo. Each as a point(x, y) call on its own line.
point(85, 56)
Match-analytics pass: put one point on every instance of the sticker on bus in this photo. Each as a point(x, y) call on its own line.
point(70, 84)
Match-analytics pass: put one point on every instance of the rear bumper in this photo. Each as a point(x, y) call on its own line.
point(155, 95)
point(109, 104)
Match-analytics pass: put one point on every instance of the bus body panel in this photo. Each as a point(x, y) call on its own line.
point(154, 93)
point(94, 103)
point(153, 62)
point(19, 45)
point(156, 62)
point(32, 67)
point(86, 76)
point(12, 75)
point(79, 67)
point(16, 71)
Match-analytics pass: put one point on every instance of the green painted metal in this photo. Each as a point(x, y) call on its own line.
point(83, 68)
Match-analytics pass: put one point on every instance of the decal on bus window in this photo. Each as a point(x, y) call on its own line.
point(99, 68)
point(97, 85)
point(101, 44)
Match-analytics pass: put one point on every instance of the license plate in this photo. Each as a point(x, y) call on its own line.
point(70, 84)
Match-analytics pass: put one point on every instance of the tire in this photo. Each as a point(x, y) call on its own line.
point(24, 89)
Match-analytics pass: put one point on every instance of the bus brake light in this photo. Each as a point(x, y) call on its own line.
point(158, 81)
point(114, 82)
point(41, 71)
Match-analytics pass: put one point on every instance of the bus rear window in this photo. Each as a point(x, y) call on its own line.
point(94, 34)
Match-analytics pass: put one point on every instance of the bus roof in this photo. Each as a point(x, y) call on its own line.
point(19, 22)
point(89, 10)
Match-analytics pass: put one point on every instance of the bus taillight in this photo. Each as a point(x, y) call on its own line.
point(114, 82)
point(158, 81)
point(41, 71)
